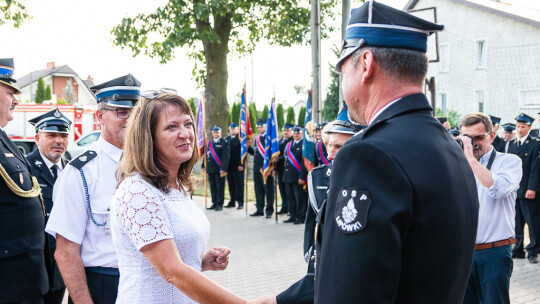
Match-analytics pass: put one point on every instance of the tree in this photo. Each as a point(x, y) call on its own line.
point(212, 29)
point(13, 11)
point(48, 93)
point(331, 102)
point(253, 116)
point(40, 91)
point(454, 118)
point(192, 106)
point(290, 116)
point(264, 113)
point(235, 113)
point(299, 89)
point(69, 93)
point(280, 116)
point(302, 117)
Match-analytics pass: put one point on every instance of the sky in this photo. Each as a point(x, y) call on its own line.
point(78, 34)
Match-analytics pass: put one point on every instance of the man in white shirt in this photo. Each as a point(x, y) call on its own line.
point(80, 216)
point(52, 130)
point(497, 180)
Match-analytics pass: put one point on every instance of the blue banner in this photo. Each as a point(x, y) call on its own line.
point(308, 149)
point(245, 127)
point(271, 148)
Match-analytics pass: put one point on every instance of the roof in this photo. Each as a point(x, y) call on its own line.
point(518, 13)
point(34, 76)
point(88, 83)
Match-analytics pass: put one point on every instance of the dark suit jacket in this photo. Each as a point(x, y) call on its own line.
point(529, 153)
point(290, 174)
point(22, 222)
point(223, 150)
point(46, 182)
point(399, 225)
point(258, 159)
point(498, 144)
point(280, 163)
point(534, 133)
point(235, 150)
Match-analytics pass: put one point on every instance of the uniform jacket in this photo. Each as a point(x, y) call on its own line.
point(235, 150)
point(223, 150)
point(399, 225)
point(534, 133)
point(258, 159)
point(318, 158)
point(498, 144)
point(318, 181)
point(22, 264)
point(280, 163)
point(529, 154)
point(290, 174)
point(46, 182)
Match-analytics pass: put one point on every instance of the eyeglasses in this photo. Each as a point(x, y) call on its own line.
point(151, 94)
point(478, 137)
point(120, 113)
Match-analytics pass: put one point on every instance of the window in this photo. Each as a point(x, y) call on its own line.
point(445, 58)
point(529, 98)
point(480, 54)
point(443, 102)
point(479, 99)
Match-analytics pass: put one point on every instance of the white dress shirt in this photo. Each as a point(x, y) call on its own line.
point(49, 164)
point(496, 216)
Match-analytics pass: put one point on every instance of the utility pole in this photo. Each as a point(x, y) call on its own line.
point(345, 16)
point(316, 61)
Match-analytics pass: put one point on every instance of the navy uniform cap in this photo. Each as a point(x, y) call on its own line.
point(509, 127)
point(454, 131)
point(216, 128)
point(343, 124)
point(122, 92)
point(233, 125)
point(495, 120)
point(287, 126)
point(320, 126)
point(297, 129)
point(53, 122)
point(379, 25)
point(524, 118)
point(7, 68)
point(261, 122)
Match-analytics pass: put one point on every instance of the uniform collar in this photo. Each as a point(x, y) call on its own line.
point(111, 150)
point(523, 139)
point(382, 110)
point(216, 139)
point(49, 163)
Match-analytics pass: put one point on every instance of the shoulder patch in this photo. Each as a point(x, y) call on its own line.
point(352, 209)
point(83, 159)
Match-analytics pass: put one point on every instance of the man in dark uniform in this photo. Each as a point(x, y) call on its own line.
point(321, 155)
point(52, 130)
point(294, 177)
point(217, 159)
point(498, 143)
point(261, 190)
point(235, 172)
point(280, 164)
point(508, 135)
point(534, 132)
point(527, 201)
point(23, 275)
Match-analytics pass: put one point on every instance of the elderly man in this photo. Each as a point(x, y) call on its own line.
point(82, 195)
point(52, 131)
point(23, 275)
point(497, 181)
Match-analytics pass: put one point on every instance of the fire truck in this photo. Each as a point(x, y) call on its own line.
point(23, 133)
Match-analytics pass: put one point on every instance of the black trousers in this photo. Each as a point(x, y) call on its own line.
point(282, 192)
point(103, 287)
point(54, 297)
point(235, 179)
point(527, 211)
point(296, 201)
point(264, 190)
point(217, 188)
point(29, 300)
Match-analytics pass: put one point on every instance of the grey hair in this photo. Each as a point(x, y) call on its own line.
point(400, 64)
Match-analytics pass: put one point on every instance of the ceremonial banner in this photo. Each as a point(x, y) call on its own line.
point(201, 138)
point(271, 149)
point(308, 151)
point(245, 127)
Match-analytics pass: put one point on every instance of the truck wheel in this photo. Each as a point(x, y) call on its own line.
point(25, 148)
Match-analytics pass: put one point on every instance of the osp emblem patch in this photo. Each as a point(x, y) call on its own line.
point(352, 209)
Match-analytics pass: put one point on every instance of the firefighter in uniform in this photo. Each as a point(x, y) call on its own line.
point(235, 172)
point(321, 155)
point(23, 275)
point(217, 160)
point(280, 164)
point(52, 130)
point(262, 190)
point(498, 143)
point(294, 176)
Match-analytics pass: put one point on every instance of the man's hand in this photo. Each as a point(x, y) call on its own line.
point(240, 168)
point(530, 194)
point(264, 300)
point(301, 181)
point(467, 147)
point(222, 172)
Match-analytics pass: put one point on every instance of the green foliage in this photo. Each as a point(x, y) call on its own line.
point(192, 106)
point(264, 113)
point(299, 89)
point(235, 113)
point(13, 11)
point(331, 102)
point(280, 116)
point(454, 118)
point(290, 116)
point(253, 116)
point(40, 91)
point(48, 93)
point(61, 101)
point(302, 116)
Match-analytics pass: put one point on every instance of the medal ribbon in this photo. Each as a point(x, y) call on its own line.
point(321, 154)
point(260, 146)
point(291, 157)
point(214, 154)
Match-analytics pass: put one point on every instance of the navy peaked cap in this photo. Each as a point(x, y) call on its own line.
point(509, 127)
point(495, 120)
point(287, 126)
point(7, 68)
point(376, 24)
point(53, 121)
point(524, 118)
point(233, 125)
point(122, 92)
point(216, 128)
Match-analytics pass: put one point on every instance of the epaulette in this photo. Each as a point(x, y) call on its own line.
point(83, 159)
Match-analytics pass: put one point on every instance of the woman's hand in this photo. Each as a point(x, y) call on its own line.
point(264, 300)
point(216, 259)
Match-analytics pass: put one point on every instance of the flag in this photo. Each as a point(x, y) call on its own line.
point(308, 149)
point(245, 126)
point(201, 138)
point(271, 148)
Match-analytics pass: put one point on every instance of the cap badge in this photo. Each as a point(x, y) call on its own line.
point(129, 80)
point(57, 114)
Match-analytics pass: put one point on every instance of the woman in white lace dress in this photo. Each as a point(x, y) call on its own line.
point(158, 232)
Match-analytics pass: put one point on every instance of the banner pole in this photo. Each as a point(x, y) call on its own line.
point(275, 193)
point(246, 184)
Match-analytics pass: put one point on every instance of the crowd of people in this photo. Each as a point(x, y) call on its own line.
point(398, 211)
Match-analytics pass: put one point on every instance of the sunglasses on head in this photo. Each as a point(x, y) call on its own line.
point(151, 94)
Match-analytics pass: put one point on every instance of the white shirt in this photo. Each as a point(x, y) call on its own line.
point(49, 164)
point(496, 216)
point(141, 214)
point(70, 217)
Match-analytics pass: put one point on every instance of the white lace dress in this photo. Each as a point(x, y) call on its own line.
point(140, 215)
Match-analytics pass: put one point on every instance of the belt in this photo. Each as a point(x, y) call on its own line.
point(104, 270)
point(494, 244)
